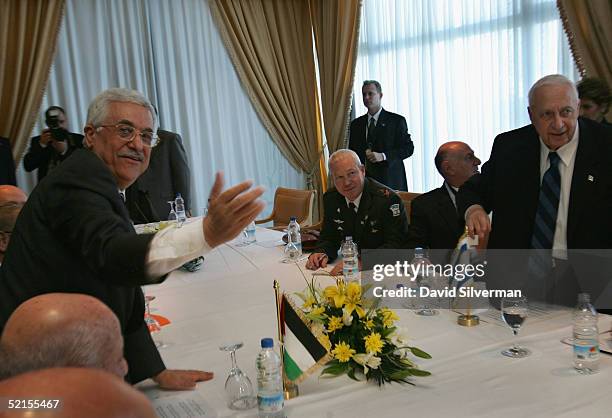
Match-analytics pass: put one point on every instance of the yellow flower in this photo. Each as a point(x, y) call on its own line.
point(374, 343)
point(335, 293)
point(335, 323)
point(389, 316)
point(353, 299)
point(318, 311)
point(309, 302)
point(369, 323)
point(324, 340)
point(343, 352)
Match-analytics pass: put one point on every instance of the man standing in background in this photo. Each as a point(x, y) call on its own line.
point(381, 140)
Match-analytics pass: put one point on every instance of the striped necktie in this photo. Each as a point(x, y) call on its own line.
point(546, 218)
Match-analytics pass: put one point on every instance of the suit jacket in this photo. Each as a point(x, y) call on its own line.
point(44, 158)
point(167, 175)
point(509, 185)
point(380, 221)
point(434, 223)
point(74, 235)
point(7, 164)
point(391, 137)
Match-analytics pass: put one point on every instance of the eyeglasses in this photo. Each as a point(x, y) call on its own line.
point(127, 133)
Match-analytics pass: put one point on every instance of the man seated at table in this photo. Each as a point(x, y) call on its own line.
point(371, 213)
point(434, 221)
point(61, 330)
point(74, 233)
point(11, 201)
point(79, 392)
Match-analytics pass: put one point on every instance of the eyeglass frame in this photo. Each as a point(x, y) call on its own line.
point(154, 136)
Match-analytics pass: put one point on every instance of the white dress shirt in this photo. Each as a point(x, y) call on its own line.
point(355, 202)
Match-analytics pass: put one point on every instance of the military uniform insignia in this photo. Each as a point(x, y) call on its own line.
point(338, 221)
point(384, 192)
point(395, 209)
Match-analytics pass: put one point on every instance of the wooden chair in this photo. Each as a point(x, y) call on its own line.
point(407, 198)
point(291, 202)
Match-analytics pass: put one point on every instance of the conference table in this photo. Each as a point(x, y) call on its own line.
point(232, 299)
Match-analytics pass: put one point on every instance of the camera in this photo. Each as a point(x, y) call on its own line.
point(53, 122)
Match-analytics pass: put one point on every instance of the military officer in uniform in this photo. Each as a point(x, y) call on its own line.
point(359, 207)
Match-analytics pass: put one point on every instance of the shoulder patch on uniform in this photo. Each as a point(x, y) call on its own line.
point(384, 192)
point(395, 209)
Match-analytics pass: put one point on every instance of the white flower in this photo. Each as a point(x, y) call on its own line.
point(399, 338)
point(367, 360)
point(347, 318)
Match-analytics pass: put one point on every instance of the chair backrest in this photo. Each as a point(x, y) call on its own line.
point(407, 198)
point(293, 202)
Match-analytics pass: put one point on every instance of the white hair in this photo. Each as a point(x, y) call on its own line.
point(342, 153)
point(98, 108)
point(555, 80)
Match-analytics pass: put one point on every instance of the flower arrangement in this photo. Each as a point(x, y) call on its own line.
point(361, 336)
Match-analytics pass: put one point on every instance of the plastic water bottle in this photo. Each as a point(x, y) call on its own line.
point(179, 204)
point(270, 397)
point(293, 249)
point(350, 263)
point(419, 266)
point(586, 336)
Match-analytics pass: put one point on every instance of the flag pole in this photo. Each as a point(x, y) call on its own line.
point(290, 389)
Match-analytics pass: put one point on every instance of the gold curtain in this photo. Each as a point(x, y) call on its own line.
point(335, 25)
point(588, 25)
point(270, 45)
point(28, 36)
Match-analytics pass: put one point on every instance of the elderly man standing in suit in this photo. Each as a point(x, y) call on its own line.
point(434, 221)
point(74, 234)
point(548, 184)
point(372, 214)
point(381, 140)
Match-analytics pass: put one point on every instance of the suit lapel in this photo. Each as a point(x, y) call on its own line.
point(531, 184)
point(581, 186)
point(447, 210)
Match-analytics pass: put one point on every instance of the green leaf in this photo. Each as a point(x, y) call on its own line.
point(418, 372)
point(419, 353)
point(336, 369)
point(351, 374)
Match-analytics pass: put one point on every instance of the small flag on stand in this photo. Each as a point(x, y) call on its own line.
point(303, 353)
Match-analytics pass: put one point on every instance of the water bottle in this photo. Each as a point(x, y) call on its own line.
point(270, 398)
point(419, 263)
point(293, 249)
point(586, 336)
point(179, 204)
point(350, 263)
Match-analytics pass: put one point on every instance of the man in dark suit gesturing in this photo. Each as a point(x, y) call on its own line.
point(381, 140)
point(548, 184)
point(434, 220)
point(74, 234)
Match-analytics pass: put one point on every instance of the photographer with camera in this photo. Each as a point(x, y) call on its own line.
point(53, 145)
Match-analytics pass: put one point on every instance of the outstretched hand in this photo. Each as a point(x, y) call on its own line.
point(230, 211)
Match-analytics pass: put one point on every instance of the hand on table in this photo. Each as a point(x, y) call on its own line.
point(477, 222)
point(229, 212)
point(374, 157)
point(181, 379)
point(316, 261)
point(337, 270)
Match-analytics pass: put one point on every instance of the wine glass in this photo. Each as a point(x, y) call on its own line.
point(425, 282)
point(514, 312)
point(238, 387)
point(152, 323)
point(172, 214)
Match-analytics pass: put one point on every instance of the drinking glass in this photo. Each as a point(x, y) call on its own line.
point(514, 312)
point(152, 324)
point(238, 387)
point(424, 281)
point(172, 214)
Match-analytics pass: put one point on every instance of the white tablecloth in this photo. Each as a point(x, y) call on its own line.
point(232, 298)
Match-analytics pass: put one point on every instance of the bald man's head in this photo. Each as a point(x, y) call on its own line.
point(11, 194)
point(456, 162)
point(62, 330)
point(82, 393)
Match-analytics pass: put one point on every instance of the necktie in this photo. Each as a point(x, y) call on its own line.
point(371, 126)
point(546, 218)
point(352, 217)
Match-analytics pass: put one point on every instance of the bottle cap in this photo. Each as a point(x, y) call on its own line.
point(348, 238)
point(293, 218)
point(267, 343)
